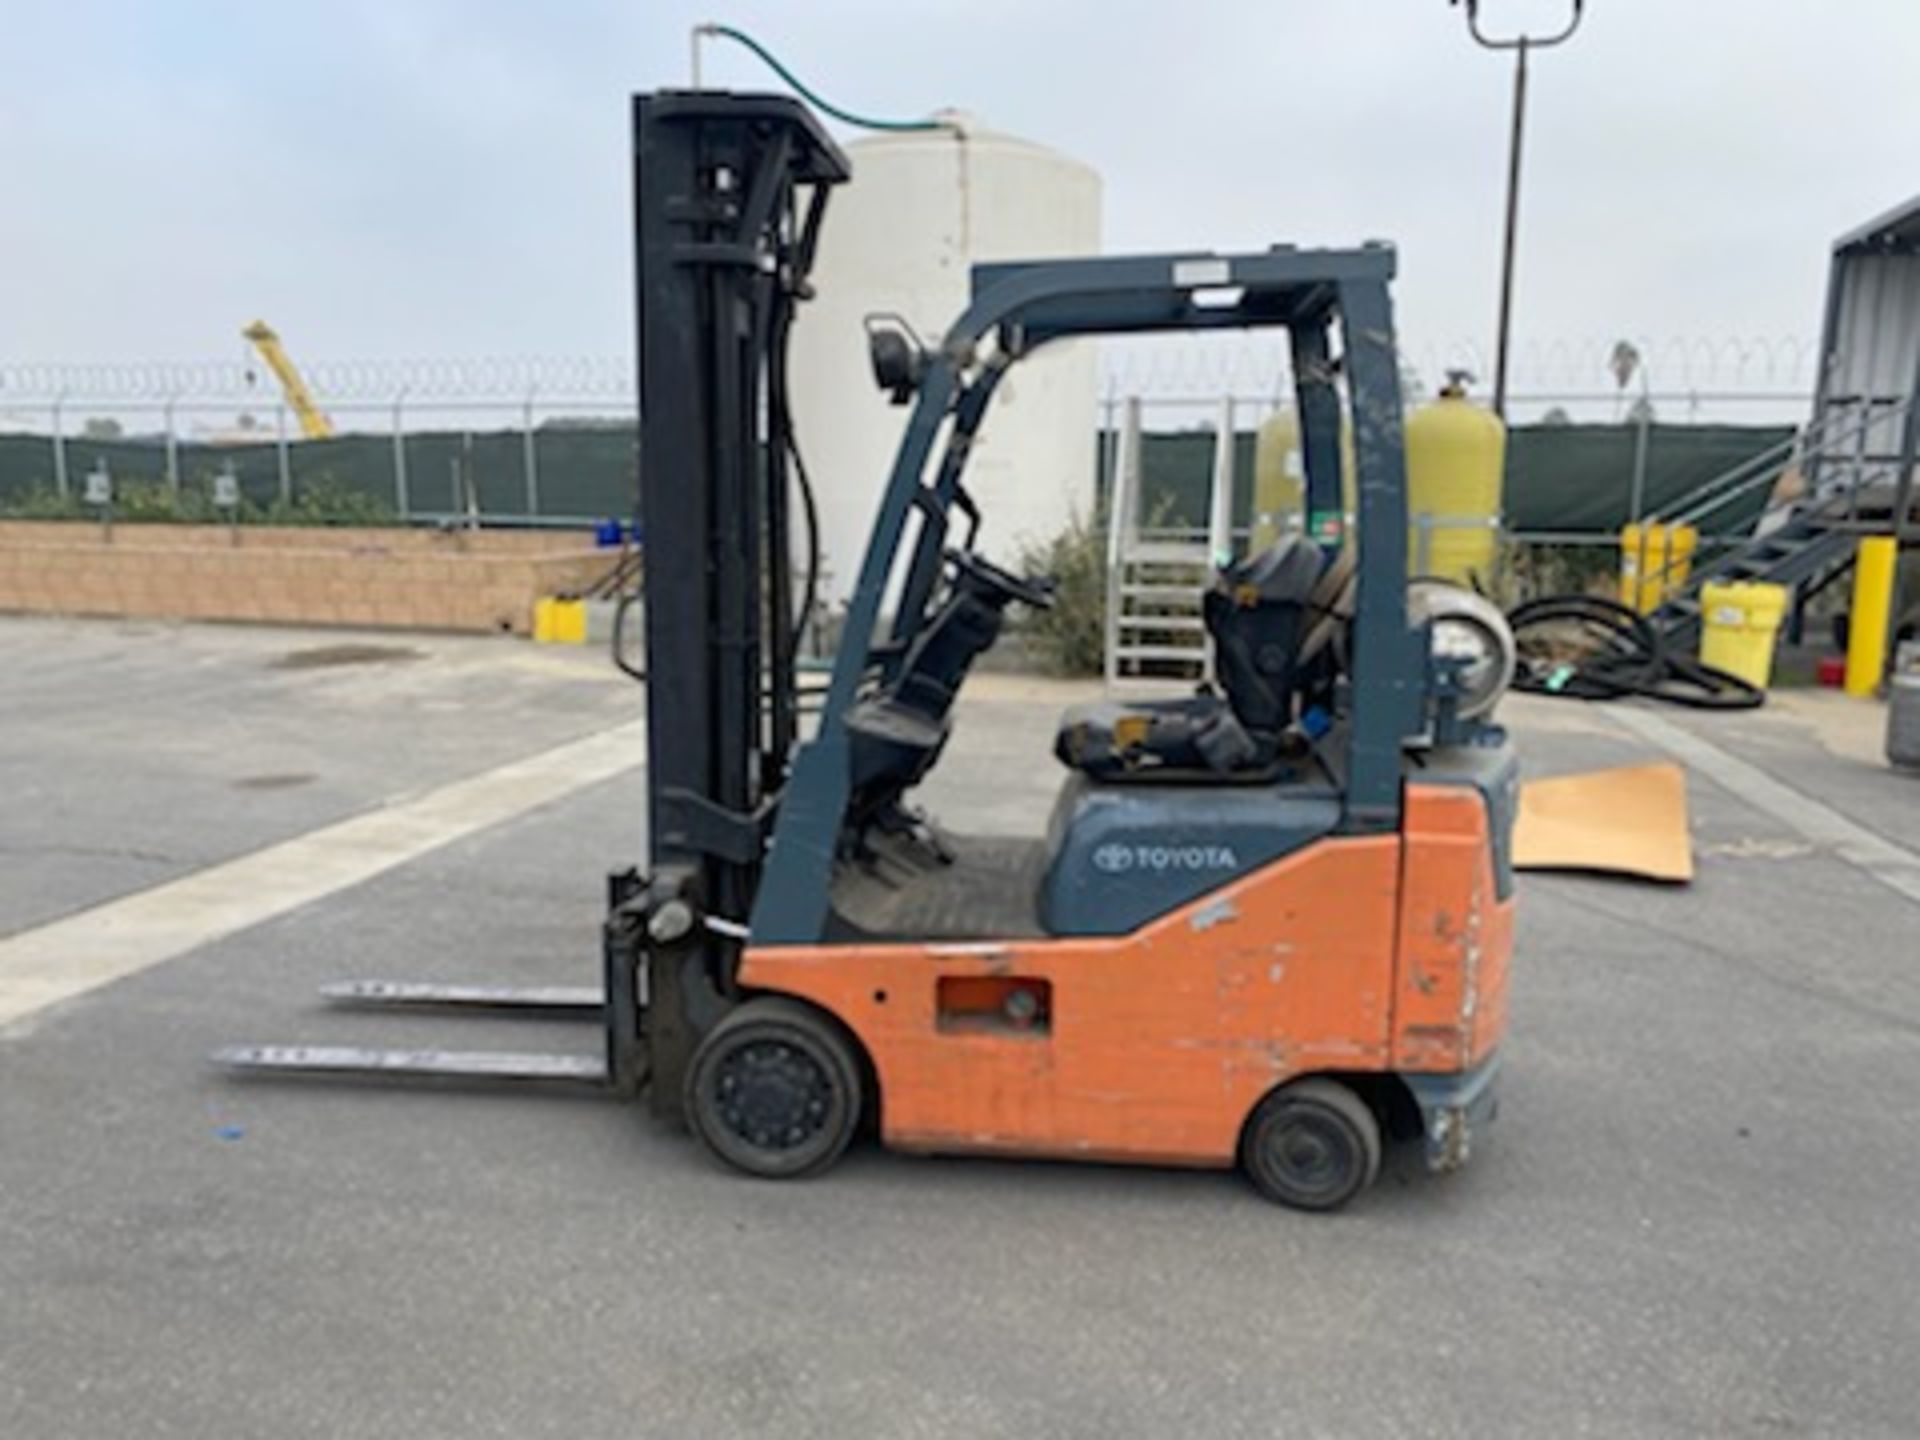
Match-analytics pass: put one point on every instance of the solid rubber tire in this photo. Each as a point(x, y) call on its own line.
point(773, 1019)
point(1328, 1111)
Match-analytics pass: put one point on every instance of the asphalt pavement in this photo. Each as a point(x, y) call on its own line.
point(1696, 1215)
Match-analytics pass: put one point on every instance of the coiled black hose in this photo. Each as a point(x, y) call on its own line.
point(1588, 647)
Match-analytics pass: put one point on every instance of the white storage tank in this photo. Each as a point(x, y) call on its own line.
point(922, 208)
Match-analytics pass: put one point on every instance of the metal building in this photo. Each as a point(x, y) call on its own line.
point(1870, 351)
point(1861, 444)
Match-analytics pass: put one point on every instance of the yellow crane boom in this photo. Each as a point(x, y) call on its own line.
point(313, 421)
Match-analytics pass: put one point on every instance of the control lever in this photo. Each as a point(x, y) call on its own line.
point(1034, 590)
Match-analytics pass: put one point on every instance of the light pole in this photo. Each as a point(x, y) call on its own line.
point(1520, 45)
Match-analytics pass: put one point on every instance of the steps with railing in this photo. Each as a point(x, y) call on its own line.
point(1155, 577)
point(1804, 543)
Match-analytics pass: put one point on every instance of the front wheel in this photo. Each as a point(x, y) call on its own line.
point(774, 1090)
point(1313, 1145)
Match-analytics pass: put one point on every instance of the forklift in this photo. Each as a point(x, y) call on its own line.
point(1268, 925)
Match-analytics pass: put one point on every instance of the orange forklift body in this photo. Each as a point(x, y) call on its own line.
point(1376, 954)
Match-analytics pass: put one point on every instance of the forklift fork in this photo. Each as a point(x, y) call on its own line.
point(618, 1071)
point(546, 1002)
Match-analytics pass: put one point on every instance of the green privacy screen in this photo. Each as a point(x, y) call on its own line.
point(1561, 478)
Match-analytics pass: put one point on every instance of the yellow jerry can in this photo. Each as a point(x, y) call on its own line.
point(559, 621)
point(1654, 562)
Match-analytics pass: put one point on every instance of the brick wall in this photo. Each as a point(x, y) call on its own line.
point(410, 579)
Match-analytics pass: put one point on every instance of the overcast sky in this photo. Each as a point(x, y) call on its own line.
point(449, 177)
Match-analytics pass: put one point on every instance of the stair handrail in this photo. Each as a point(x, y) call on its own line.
point(1123, 519)
point(1733, 483)
point(1761, 467)
point(1807, 444)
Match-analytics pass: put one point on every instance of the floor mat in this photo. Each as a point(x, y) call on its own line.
point(989, 891)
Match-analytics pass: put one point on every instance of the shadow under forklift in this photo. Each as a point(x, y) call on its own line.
point(1269, 925)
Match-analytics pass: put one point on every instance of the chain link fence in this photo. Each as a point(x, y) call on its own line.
point(552, 441)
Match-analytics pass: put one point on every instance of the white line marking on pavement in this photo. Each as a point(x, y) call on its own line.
point(82, 952)
point(1892, 865)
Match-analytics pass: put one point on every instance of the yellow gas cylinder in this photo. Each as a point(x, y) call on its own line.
point(1280, 479)
point(1456, 460)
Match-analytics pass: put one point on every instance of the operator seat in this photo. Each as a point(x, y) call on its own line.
point(1272, 620)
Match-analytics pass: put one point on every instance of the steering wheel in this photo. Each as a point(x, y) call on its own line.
point(1034, 590)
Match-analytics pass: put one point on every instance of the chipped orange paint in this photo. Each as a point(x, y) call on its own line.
point(1456, 935)
point(1159, 1043)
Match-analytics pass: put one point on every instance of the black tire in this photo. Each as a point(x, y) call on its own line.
point(1312, 1145)
point(774, 1090)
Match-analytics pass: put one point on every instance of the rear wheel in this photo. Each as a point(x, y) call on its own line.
point(1313, 1145)
point(774, 1090)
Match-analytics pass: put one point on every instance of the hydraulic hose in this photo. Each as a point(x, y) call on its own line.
point(628, 599)
point(1587, 647)
point(846, 117)
point(810, 596)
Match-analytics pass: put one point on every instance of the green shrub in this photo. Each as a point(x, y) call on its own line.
point(1072, 636)
point(320, 501)
point(1536, 568)
point(324, 500)
point(150, 502)
point(42, 502)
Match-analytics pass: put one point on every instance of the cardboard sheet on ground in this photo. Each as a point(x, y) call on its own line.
point(1629, 821)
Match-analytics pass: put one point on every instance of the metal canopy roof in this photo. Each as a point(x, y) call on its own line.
point(1895, 233)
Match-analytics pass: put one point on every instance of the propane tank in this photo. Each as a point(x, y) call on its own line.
point(1469, 627)
point(1280, 479)
point(1456, 458)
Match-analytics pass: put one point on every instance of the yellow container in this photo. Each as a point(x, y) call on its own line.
point(1739, 624)
point(1633, 555)
point(558, 621)
point(1280, 479)
point(1654, 562)
point(1682, 541)
point(1456, 461)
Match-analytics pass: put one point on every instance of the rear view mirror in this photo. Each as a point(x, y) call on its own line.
point(897, 355)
